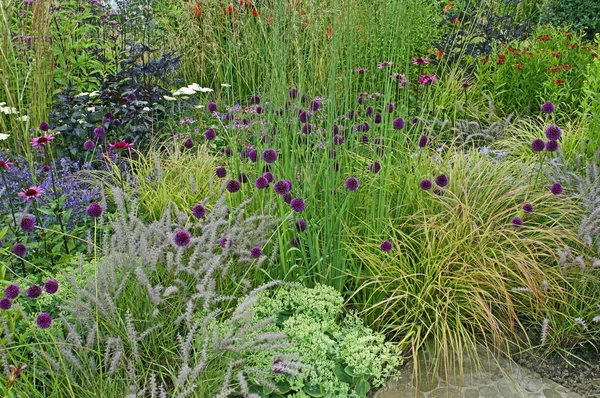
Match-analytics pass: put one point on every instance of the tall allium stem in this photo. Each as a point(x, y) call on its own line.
point(36, 208)
point(10, 203)
point(58, 212)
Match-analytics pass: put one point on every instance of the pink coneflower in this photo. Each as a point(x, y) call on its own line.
point(360, 70)
point(5, 165)
point(31, 192)
point(384, 64)
point(425, 80)
point(120, 145)
point(39, 142)
point(420, 61)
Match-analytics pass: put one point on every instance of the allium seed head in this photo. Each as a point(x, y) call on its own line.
point(210, 134)
point(88, 145)
point(212, 107)
point(269, 155)
point(556, 189)
point(398, 123)
point(281, 187)
point(19, 249)
point(528, 208)
point(33, 291)
point(43, 320)
point(369, 111)
point(269, 176)
point(221, 172)
point(188, 143)
point(5, 303)
point(552, 146)
point(44, 126)
point(255, 252)
point(547, 107)
point(441, 180)
point(375, 167)
point(517, 222)
point(261, 182)
point(553, 132)
point(297, 204)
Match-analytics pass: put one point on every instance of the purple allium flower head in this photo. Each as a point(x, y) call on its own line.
point(94, 210)
point(297, 204)
point(303, 116)
point(188, 143)
point(131, 97)
point(225, 242)
point(45, 168)
point(259, 110)
point(369, 111)
point(365, 127)
point(333, 153)
point(221, 172)
point(307, 128)
point(538, 145)
point(293, 93)
point(261, 183)
point(351, 114)
point(287, 198)
point(364, 139)
point(425, 184)
point(423, 141)
point(386, 246)
point(338, 140)
point(43, 320)
point(255, 252)
point(375, 167)
point(108, 115)
point(377, 118)
point(441, 180)
point(295, 241)
point(88, 145)
point(437, 191)
point(556, 188)
point(198, 211)
point(181, 238)
point(117, 122)
point(44, 126)
point(378, 141)
point(233, 186)
point(547, 107)
point(5, 303)
point(305, 98)
point(51, 286)
point(243, 178)
point(228, 152)
point(106, 120)
point(19, 249)
point(253, 155)
point(352, 183)
point(269, 176)
point(212, 107)
point(336, 167)
point(210, 134)
point(300, 225)
point(281, 187)
point(27, 224)
point(398, 123)
point(553, 132)
point(99, 131)
point(269, 155)
point(517, 222)
point(33, 291)
point(254, 100)
point(336, 129)
point(11, 291)
point(390, 107)
point(552, 146)
point(528, 208)
point(278, 367)
point(361, 99)
point(415, 120)
point(314, 105)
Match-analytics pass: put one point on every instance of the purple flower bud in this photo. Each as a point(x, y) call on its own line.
point(88, 145)
point(212, 107)
point(547, 107)
point(210, 134)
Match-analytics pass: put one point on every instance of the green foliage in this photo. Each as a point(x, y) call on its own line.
point(346, 358)
point(575, 14)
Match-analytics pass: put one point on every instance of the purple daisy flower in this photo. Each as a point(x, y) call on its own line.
point(398, 123)
point(553, 132)
point(5, 303)
point(19, 249)
point(300, 225)
point(51, 286)
point(528, 208)
point(33, 291)
point(255, 252)
point(441, 180)
point(212, 107)
point(375, 167)
point(94, 210)
point(43, 320)
point(181, 238)
point(198, 211)
point(261, 183)
point(297, 204)
point(233, 186)
point(210, 134)
point(27, 224)
point(517, 222)
point(386, 246)
point(547, 107)
point(538, 145)
point(11, 291)
point(552, 146)
point(269, 155)
point(221, 172)
point(352, 183)
point(556, 188)
point(425, 184)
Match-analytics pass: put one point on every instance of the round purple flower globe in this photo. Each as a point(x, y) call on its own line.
point(303, 116)
point(212, 107)
point(221, 172)
point(117, 122)
point(281, 187)
point(300, 225)
point(423, 141)
point(415, 120)
point(278, 367)
point(181, 238)
point(255, 252)
point(287, 198)
point(375, 167)
point(19, 249)
point(437, 191)
point(46, 169)
point(364, 139)
point(27, 224)
point(43, 320)
point(228, 152)
point(254, 100)
point(99, 131)
point(390, 107)
point(259, 110)
point(253, 155)
point(336, 167)
point(538, 145)
point(188, 143)
point(552, 146)
point(338, 140)
point(225, 242)
point(351, 114)
point(553, 132)
point(528, 208)
point(377, 118)
point(297, 204)
point(369, 111)
point(386, 246)
point(88, 145)
point(11, 291)
point(44, 126)
point(314, 105)
point(5, 303)
point(425, 184)
point(210, 134)
point(307, 128)
point(517, 222)
point(269, 155)
point(398, 123)
point(441, 180)
point(198, 211)
point(365, 127)
point(51, 286)
point(293, 93)
point(556, 189)
point(33, 291)
point(295, 241)
point(352, 183)
point(94, 210)
point(233, 186)
point(547, 107)
point(269, 176)
point(261, 183)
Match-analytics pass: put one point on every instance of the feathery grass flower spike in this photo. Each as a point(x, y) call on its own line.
point(27, 224)
point(198, 211)
point(43, 320)
point(31, 192)
point(386, 246)
point(181, 238)
point(94, 210)
point(297, 204)
point(352, 183)
point(19, 249)
point(11, 291)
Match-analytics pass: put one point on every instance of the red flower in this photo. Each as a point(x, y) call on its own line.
point(39, 142)
point(556, 54)
point(269, 20)
point(197, 10)
point(439, 54)
point(543, 38)
point(228, 10)
point(455, 21)
point(30, 193)
point(330, 32)
point(558, 81)
point(518, 66)
point(594, 55)
point(448, 6)
point(573, 46)
point(5, 165)
point(120, 145)
point(255, 13)
point(484, 60)
point(517, 55)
